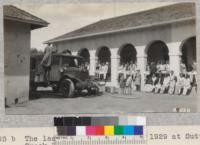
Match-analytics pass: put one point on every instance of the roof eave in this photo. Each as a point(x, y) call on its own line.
point(35, 24)
point(121, 30)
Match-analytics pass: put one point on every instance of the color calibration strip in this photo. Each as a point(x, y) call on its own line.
point(99, 126)
point(99, 130)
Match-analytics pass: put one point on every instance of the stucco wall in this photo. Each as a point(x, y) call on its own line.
point(17, 61)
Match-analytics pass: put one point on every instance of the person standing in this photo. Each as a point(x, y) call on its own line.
point(122, 84)
point(165, 85)
point(183, 68)
point(138, 80)
point(46, 62)
point(172, 85)
point(105, 71)
point(128, 85)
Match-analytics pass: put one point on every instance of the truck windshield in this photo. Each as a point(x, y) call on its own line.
point(72, 62)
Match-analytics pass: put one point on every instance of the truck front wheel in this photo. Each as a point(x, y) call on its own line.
point(67, 88)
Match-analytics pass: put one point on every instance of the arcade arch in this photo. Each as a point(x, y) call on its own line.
point(157, 51)
point(127, 54)
point(188, 50)
point(84, 52)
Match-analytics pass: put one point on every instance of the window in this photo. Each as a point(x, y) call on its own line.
point(71, 62)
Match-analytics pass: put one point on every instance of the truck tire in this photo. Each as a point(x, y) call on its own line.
point(67, 88)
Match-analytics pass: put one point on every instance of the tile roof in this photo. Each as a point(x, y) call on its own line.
point(14, 13)
point(154, 16)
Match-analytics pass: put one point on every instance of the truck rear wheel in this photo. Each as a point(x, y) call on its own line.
point(67, 88)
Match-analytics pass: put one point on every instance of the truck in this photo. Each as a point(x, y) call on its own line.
point(67, 75)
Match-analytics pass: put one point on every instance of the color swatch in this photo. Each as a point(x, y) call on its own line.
point(99, 131)
point(93, 121)
point(100, 126)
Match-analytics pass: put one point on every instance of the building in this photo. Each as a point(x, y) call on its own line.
point(165, 33)
point(17, 33)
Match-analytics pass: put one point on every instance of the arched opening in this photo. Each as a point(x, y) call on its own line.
point(68, 52)
point(85, 54)
point(103, 55)
point(157, 52)
point(127, 54)
point(103, 67)
point(188, 50)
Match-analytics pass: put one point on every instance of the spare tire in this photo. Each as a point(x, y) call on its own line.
point(67, 88)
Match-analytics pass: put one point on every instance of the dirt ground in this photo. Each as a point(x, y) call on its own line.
point(44, 102)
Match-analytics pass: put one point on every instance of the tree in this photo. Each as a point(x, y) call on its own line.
point(36, 51)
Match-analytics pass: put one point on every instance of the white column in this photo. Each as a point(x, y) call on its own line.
point(93, 60)
point(141, 63)
point(174, 56)
point(114, 66)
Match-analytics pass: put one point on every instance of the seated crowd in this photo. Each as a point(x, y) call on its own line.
point(164, 80)
point(158, 80)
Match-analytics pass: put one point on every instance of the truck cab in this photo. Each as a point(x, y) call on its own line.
point(67, 74)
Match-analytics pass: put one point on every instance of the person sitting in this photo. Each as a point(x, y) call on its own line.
point(158, 83)
point(148, 87)
point(187, 85)
point(165, 85)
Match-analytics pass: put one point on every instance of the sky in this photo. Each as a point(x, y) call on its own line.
point(64, 18)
